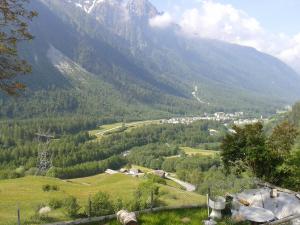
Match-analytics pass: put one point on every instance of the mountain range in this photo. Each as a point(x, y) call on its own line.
point(103, 57)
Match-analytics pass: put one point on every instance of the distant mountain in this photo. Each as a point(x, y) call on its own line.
point(102, 57)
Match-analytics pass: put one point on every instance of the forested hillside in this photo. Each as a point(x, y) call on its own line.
point(84, 63)
point(74, 153)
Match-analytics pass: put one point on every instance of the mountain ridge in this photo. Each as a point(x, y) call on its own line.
point(155, 69)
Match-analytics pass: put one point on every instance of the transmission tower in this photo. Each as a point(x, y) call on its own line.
point(44, 162)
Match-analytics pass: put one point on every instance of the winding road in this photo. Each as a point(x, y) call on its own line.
point(189, 187)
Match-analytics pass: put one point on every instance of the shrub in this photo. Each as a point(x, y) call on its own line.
point(54, 188)
point(8, 174)
point(20, 171)
point(31, 172)
point(118, 205)
point(156, 179)
point(55, 203)
point(48, 187)
point(71, 206)
point(101, 204)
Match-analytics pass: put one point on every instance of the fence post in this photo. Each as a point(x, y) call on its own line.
point(151, 200)
point(19, 215)
point(208, 196)
point(90, 206)
point(207, 202)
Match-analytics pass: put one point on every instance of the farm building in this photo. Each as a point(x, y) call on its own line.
point(160, 173)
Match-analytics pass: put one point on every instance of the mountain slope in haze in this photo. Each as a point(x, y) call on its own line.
point(101, 57)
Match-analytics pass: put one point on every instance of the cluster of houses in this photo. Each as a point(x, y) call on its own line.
point(249, 121)
point(135, 172)
point(237, 118)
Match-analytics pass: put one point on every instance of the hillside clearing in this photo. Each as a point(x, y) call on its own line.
point(28, 194)
point(105, 129)
point(196, 151)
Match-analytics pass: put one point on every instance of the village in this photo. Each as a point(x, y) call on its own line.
point(237, 118)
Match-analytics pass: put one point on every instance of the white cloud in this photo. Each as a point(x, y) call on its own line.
point(224, 22)
point(291, 54)
point(161, 21)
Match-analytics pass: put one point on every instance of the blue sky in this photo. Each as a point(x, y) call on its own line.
point(270, 26)
point(278, 16)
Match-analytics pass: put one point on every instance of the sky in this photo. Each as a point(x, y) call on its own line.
point(270, 26)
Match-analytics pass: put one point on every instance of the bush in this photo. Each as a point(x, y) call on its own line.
point(32, 171)
point(71, 206)
point(156, 179)
point(55, 203)
point(54, 188)
point(118, 205)
point(48, 187)
point(101, 205)
point(143, 195)
point(8, 174)
point(20, 171)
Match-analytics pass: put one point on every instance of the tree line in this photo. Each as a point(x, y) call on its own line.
point(73, 151)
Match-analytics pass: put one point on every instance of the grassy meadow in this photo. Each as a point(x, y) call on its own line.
point(110, 128)
point(176, 217)
point(28, 194)
point(196, 151)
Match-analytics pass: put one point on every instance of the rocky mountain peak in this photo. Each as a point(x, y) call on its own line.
point(141, 8)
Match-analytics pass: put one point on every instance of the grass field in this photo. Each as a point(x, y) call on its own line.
point(175, 217)
point(28, 194)
point(115, 126)
point(196, 151)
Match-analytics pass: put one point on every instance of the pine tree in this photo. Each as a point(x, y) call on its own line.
point(13, 29)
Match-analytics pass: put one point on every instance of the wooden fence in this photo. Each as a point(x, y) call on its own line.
point(114, 216)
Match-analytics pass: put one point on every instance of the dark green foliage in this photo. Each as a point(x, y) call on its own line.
point(269, 158)
point(19, 147)
point(118, 205)
point(152, 155)
point(156, 179)
point(8, 174)
point(248, 144)
point(49, 187)
point(84, 156)
point(282, 139)
point(294, 115)
point(87, 169)
point(290, 171)
point(177, 134)
point(55, 203)
point(146, 196)
point(71, 206)
point(221, 183)
point(101, 205)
